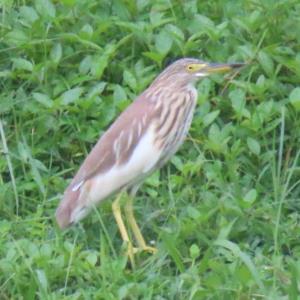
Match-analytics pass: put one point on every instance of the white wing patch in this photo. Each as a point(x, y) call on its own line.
point(77, 186)
point(117, 146)
point(129, 141)
point(140, 127)
point(142, 160)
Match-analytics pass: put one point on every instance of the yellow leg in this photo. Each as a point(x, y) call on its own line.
point(135, 228)
point(118, 217)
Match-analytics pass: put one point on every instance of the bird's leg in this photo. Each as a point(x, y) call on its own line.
point(118, 217)
point(135, 228)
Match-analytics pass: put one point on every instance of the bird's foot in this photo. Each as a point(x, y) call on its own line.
point(148, 249)
point(134, 250)
point(131, 251)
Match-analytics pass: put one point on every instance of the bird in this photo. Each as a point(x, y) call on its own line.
point(141, 140)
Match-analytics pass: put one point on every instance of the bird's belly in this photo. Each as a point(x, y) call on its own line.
point(142, 160)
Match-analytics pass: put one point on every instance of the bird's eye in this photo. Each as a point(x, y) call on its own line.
point(190, 68)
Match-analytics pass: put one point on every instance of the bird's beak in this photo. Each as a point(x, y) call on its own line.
point(213, 68)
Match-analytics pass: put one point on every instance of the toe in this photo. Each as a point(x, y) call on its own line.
point(150, 249)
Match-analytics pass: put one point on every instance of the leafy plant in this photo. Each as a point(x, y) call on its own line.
point(224, 213)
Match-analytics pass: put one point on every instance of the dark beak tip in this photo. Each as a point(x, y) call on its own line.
point(237, 65)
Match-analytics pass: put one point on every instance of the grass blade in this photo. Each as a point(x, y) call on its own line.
point(10, 167)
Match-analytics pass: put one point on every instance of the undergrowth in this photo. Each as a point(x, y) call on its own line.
point(224, 213)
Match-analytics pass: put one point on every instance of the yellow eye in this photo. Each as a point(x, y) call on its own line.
point(190, 68)
point(194, 67)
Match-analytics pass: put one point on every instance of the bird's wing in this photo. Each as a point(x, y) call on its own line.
point(114, 149)
point(116, 146)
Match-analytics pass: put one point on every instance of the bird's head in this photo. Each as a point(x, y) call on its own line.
point(188, 70)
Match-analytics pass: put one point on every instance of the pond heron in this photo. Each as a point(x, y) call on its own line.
point(141, 140)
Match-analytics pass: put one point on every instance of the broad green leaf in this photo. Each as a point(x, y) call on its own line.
point(154, 56)
point(194, 251)
point(71, 95)
point(39, 165)
point(153, 180)
point(260, 82)
point(253, 145)
point(43, 99)
point(86, 65)
point(295, 98)
point(46, 250)
point(28, 13)
point(119, 94)
point(92, 259)
point(97, 89)
point(177, 162)
point(238, 102)
point(101, 62)
point(193, 212)
point(42, 279)
point(250, 196)
point(175, 31)
point(23, 152)
point(16, 37)
point(215, 140)
point(130, 80)
point(266, 62)
point(214, 133)
point(155, 17)
point(210, 117)
point(56, 53)
point(45, 8)
point(120, 9)
point(163, 42)
point(86, 31)
point(22, 64)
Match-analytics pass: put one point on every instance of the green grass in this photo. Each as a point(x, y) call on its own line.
point(224, 213)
